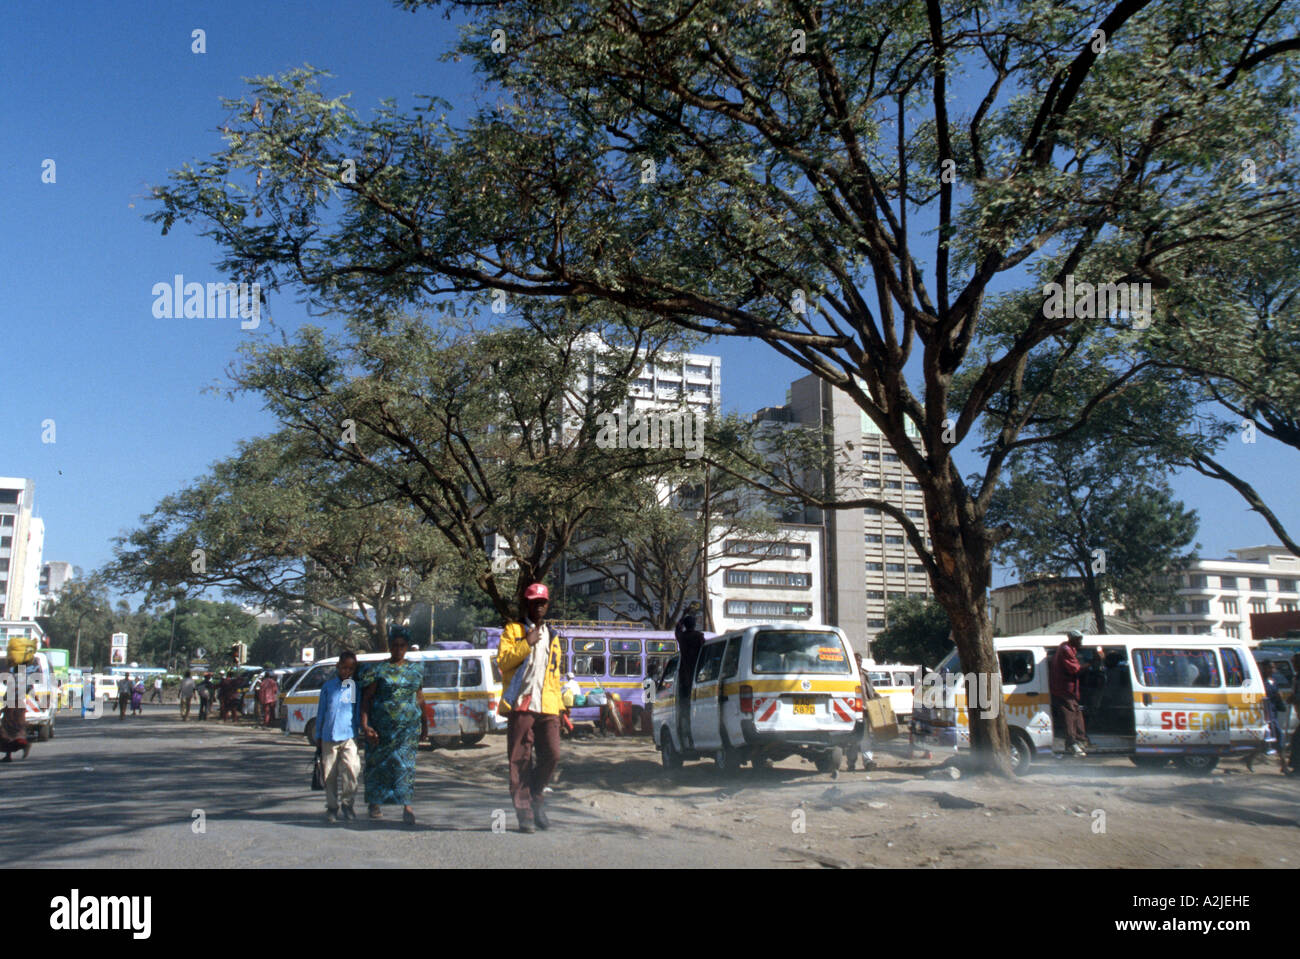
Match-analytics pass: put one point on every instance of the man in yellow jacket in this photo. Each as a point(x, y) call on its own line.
point(534, 716)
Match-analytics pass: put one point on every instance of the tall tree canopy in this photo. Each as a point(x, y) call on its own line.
point(847, 181)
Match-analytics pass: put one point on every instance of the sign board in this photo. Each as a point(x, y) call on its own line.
point(117, 656)
point(119, 640)
point(309, 654)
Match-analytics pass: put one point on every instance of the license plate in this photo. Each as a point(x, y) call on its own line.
point(805, 706)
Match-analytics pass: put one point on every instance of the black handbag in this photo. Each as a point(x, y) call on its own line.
point(317, 771)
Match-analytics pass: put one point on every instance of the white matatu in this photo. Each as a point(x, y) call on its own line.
point(1192, 699)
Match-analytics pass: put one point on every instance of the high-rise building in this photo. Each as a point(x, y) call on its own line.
point(22, 539)
point(54, 576)
point(868, 559)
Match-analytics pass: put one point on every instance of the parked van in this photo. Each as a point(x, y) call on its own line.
point(1153, 698)
point(762, 693)
point(461, 691)
point(896, 682)
point(40, 696)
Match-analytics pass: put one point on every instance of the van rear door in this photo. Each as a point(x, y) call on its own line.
point(805, 679)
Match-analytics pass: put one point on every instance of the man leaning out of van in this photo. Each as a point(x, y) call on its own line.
point(338, 723)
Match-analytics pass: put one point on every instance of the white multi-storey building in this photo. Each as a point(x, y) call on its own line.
point(54, 576)
point(22, 539)
point(1215, 597)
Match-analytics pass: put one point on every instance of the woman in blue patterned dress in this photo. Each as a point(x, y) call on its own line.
point(394, 722)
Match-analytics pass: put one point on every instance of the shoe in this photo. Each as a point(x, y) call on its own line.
point(348, 811)
point(331, 816)
point(408, 817)
point(376, 812)
point(1077, 750)
point(526, 823)
point(540, 817)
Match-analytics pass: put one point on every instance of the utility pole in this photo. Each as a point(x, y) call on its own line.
point(171, 644)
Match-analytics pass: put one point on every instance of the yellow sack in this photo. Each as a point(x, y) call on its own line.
point(567, 698)
point(22, 650)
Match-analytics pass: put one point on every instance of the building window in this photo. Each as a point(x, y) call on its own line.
point(7, 520)
point(1287, 606)
point(875, 624)
point(895, 568)
point(873, 537)
point(749, 607)
point(897, 595)
point(1286, 585)
point(1230, 607)
point(1259, 606)
point(871, 457)
point(10, 496)
point(1201, 606)
point(895, 540)
point(1196, 581)
point(916, 568)
point(758, 577)
point(891, 458)
point(1232, 631)
point(1259, 583)
point(911, 485)
point(6, 542)
point(875, 567)
point(914, 513)
point(893, 484)
point(875, 594)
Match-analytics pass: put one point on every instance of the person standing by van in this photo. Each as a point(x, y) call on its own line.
point(529, 659)
point(124, 689)
point(1063, 684)
point(186, 694)
point(1274, 709)
point(338, 721)
point(268, 694)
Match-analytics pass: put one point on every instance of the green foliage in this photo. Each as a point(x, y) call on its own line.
point(918, 633)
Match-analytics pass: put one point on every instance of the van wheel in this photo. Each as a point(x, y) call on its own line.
point(672, 759)
point(43, 732)
point(1022, 752)
point(469, 739)
point(310, 730)
point(1149, 762)
point(1200, 765)
point(829, 761)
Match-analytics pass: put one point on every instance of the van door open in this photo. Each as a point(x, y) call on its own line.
point(706, 730)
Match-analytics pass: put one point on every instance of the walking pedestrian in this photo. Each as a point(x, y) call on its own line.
point(862, 748)
point(157, 690)
point(392, 710)
point(137, 698)
point(87, 696)
point(205, 695)
point(529, 652)
point(228, 694)
point(338, 723)
point(268, 694)
point(124, 690)
point(13, 719)
point(186, 694)
point(1063, 684)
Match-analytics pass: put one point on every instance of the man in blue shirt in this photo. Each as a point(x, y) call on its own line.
point(338, 723)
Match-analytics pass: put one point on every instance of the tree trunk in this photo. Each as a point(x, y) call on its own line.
point(965, 571)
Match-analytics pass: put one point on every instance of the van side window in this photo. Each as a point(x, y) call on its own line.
point(879, 679)
point(669, 675)
point(441, 673)
point(315, 679)
point(1179, 668)
point(710, 659)
point(905, 680)
point(1233, 674)
point(471, 672)
point(1017, 666)
point(731, 658)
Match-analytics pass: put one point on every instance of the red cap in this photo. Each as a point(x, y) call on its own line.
point(537, 591)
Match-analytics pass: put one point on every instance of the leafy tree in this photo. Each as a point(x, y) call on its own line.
point(81, 611)
point(917, 632)
point(778, 170)
point(173, 637)
point(1090, 511)
point(284, 529)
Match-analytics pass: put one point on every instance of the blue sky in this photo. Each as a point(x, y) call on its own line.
point(113, 94)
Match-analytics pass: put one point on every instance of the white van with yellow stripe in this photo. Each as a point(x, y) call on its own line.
point(461, 690)
point(896, 682)
point(1192, 699)
point(762, 693)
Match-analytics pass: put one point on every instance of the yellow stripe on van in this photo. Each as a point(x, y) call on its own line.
point(792, 686)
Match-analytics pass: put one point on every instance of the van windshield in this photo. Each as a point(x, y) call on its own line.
point(798, 651)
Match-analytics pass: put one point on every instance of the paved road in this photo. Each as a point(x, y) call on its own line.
point(111, 793)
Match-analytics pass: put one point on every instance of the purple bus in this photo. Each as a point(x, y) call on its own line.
point(613, 656)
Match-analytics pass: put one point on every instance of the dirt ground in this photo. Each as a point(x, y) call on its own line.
point(910, 813)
